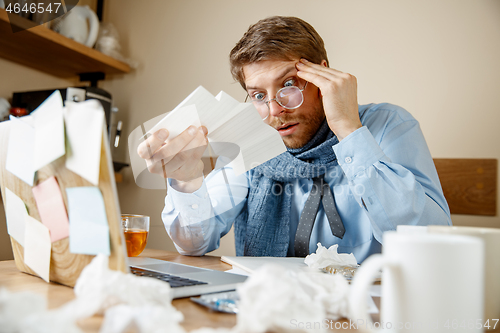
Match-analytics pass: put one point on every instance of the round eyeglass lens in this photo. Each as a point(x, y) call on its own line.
point(290, 97)
point(263, 111)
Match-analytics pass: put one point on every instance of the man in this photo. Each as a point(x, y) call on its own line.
point(351, 171)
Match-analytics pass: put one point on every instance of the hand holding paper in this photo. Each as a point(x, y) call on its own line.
point(175, 154)
point(248, 141)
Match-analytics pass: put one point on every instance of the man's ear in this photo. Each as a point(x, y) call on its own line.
point(324, 63)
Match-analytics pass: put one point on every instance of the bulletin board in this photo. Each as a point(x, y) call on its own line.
point(65, 267)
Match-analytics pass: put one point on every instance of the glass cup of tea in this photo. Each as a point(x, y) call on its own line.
point(136, 229)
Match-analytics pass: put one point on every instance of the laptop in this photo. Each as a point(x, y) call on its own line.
point(185, 280)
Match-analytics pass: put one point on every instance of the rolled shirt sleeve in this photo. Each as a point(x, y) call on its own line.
point(196, 221)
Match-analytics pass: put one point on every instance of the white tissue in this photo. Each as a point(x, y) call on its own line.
point(15, 307)
point(99, 288)
point(332, 291)
point(143, 303)
point(215, 330)
point(275, 299)
point(272, 299)
point(128, 301)
point(329, 257)
point(147, 318)
point(26, 312)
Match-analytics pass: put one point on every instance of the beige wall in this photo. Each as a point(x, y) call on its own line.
point(436, 58)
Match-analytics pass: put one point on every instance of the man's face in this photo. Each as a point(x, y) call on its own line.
point(296, 126)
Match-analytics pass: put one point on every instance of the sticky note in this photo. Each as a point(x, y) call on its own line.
point(84, 129)
point(49, 131)
point(20, 150)
point(37, 249)
point(51, 208)
point(88, 224)
point(15, 211)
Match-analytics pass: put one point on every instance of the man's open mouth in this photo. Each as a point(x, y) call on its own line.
point(286, 126)
point(287, 129)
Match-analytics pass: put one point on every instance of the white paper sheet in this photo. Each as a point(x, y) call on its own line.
point(49, 131)
point(15, 211)
point(84, 127)
point(21, 149)
point(227, 120)
point(37, 249)
point(88, 224)
point(239, 271)
point(251, 264)
point(177, 122)
point(258, 142)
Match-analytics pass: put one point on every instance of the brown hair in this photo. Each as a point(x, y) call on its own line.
point(276, 38)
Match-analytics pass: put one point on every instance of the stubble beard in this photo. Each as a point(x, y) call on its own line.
point(310, 122)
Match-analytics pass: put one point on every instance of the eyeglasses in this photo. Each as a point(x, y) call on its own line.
point(290, 97)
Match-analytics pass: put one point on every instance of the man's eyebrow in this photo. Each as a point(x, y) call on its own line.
point(283, 73)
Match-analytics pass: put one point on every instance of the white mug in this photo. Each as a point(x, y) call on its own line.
point(430, 283)
point(491, 238)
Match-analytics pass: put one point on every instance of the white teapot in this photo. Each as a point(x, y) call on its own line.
point(74, 25)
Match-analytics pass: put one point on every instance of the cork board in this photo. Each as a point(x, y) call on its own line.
point(65, 267)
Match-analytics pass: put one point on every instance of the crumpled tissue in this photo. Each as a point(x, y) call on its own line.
point(26, 312)
point(128, 302)
point(99, 289)
point(146, 318)
point(276, 299)
point(272, 299)
point(329, 260)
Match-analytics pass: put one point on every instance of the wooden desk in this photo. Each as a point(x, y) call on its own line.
point(195, 316)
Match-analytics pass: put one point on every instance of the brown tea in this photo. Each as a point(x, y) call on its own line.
point(136, 241)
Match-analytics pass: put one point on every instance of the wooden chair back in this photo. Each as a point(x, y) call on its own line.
point(469, 185)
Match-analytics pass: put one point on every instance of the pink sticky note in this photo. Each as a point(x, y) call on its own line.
point(51, 208)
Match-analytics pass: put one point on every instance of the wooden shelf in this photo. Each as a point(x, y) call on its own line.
point(50, 52)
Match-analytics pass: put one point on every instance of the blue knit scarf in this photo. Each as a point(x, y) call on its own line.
point(263, 226)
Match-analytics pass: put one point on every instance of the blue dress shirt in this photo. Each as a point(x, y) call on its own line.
point(385, 177)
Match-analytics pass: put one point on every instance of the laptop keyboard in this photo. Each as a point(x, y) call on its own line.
point(174, 281)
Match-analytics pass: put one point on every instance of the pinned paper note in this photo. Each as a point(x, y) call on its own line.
point(84, 129)
point(88, 224)
point(51, 208)
point(49, 131)
point(15, 211)
point(20, 150)
point(36, 140)
point(37, 249)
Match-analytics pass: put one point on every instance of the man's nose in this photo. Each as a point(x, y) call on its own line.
point(275, 109)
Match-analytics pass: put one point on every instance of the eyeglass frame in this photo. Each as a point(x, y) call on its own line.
point(276, 100)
